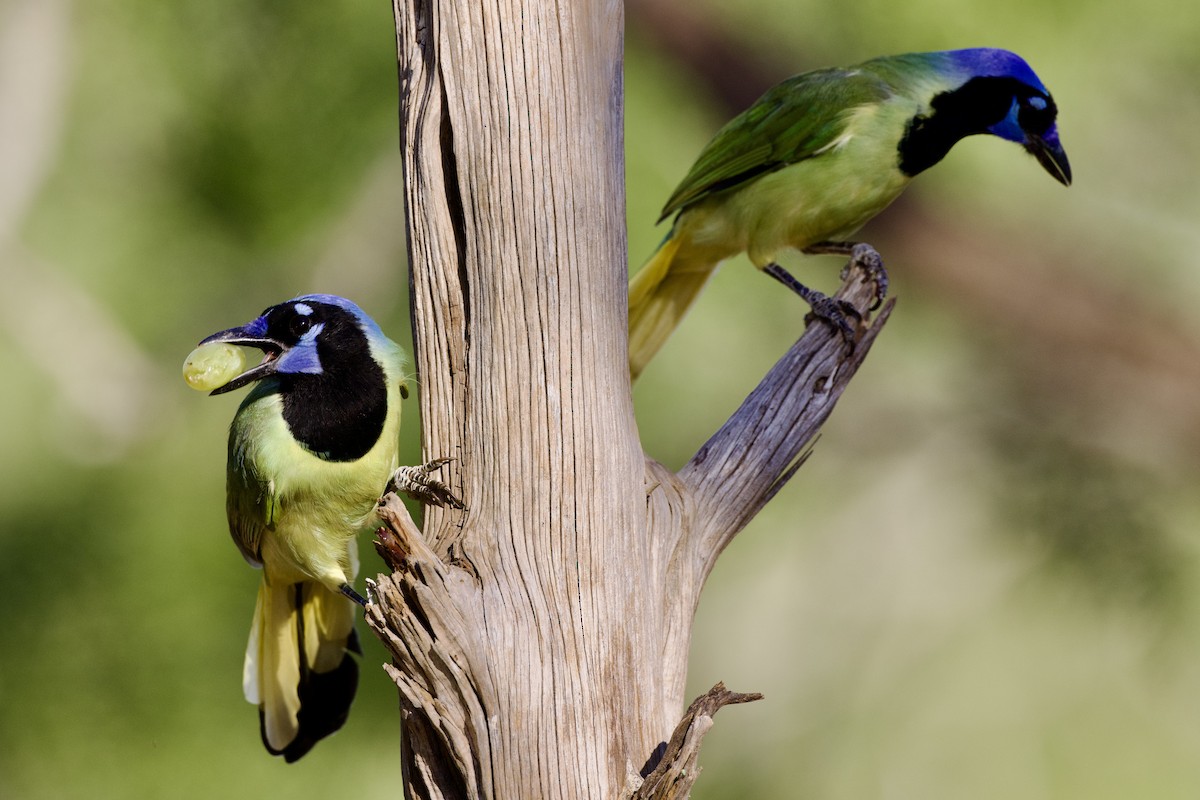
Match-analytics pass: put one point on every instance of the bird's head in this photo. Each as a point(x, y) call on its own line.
point(303, 336)
point(1014, 105)
point(983, 90)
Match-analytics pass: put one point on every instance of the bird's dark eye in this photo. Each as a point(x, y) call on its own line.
point(298, 326)
point(1036, 113)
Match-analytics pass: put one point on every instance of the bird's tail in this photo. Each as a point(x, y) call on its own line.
point(299, 670)
point(659, 295)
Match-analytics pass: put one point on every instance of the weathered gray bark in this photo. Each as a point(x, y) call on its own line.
point(541, 637)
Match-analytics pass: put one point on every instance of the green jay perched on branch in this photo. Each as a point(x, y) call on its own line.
point(311, 449)
point(819, 155)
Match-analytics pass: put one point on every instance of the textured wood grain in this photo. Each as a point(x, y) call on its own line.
point(672, 777)
point(540, 636)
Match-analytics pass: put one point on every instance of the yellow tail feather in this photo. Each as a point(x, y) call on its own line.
point(659, 295)
point(298, 670)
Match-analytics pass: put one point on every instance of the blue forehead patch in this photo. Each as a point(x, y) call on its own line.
point(303, 309)
point(257, 327)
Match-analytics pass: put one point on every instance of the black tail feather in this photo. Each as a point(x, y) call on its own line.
point(325, 697)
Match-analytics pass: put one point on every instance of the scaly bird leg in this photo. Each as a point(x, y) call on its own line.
point(861, 254)
point(348, 590)
point(418, 484)
point(823, 307)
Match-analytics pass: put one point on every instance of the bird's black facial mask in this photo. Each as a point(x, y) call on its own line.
point(1002, 106)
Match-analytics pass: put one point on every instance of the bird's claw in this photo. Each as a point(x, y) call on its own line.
point(867, 258)
point(836, 312)
point(861, 255)
point(418, 483)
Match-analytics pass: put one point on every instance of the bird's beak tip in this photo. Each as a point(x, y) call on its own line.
point(1052, 157)
point(1063, 172)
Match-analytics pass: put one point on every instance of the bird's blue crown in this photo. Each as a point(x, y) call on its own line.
point(369, 326)
point(992, 62)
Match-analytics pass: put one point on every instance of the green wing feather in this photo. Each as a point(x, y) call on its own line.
point(250, 499)
point(251, 506)
point(790, 123)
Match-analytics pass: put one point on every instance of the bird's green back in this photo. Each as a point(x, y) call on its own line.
point(804, 116)
point(793, 121)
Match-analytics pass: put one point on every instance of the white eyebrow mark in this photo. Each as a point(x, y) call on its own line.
point(303, 309)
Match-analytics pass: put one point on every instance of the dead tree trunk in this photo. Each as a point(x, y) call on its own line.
point(541, 637)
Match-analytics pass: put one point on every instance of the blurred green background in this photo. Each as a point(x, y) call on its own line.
point(984, 584)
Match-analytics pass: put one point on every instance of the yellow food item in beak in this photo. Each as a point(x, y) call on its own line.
point(211, 366)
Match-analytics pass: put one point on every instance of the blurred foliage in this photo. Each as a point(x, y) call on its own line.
point(983, 584)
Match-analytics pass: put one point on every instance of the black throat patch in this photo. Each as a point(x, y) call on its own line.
point(339, 413)
point(971, 108)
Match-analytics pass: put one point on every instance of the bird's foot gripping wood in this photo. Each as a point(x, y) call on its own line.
point(837, 313)
point(861, 255)
point(418, 483)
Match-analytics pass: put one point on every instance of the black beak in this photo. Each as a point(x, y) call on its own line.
point(1051, 156)
point(248, 336)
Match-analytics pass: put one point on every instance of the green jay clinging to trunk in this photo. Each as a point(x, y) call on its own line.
point(311, 449)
